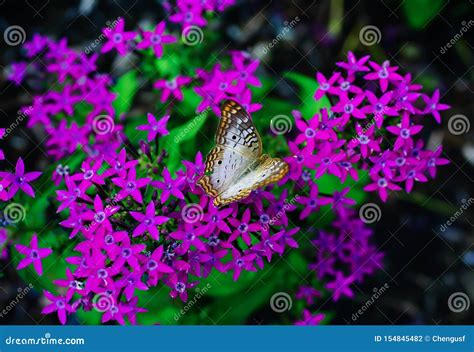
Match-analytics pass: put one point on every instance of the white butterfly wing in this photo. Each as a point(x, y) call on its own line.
point(236, 166)
point(267, 170)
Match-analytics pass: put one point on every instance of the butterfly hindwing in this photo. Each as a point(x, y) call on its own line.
point(266, 171)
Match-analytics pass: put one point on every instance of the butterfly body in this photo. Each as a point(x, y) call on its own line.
point(236, 165)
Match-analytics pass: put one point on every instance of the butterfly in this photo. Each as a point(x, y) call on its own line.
point(236, 166)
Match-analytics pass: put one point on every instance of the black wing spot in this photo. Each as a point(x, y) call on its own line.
point(219, 162)
point(234, 137)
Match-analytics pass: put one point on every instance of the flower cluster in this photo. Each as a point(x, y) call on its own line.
point(351, 135)
point(191, 12)
point(134, 238)
point(71, 87)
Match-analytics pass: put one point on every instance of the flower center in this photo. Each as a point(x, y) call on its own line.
point(131, 186)
point(152, 265)
point(126, 252)
point(324, 86)
point(348, 108)
point(99, 217)
point(405, 133)
point(171, 84)
point(264, 219)
point(102, 273)
point(88, 174)
point(383, 73)
point(309, 133)
point(155, 39)
point(345, 85)
point(34, 254)
point(382, 182)
point(180, 287)
point(117, 38)
point(363, 139)
point(378, 107)
point(188, 17)
point(223, 86)
point(60, 304)
point(400, 161)
point(109, 239)
point(243, 227)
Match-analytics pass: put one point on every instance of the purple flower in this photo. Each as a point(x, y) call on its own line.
point(36, 45)
point(312, 202)
point(154, 127)
point(20, 179)
point(148, 222)
point(307, 293)
point(131, 185)
point(215, 219)
point(117, 38)
point(353, 64)
point(310, 319)
point(433, 160)
point(433, 105)
point(348, 107)
point(171, 87)
point(340, 286)
point(58, 304)
point(33, 255)
point(404, 133)
point(379, 107)
point(325, 84)
point(384, 74)
point(155, 267)
point(169, 186)
point(243, 227)
point(382, 185)
point(100, 215)
point(189, 14)
point(156, 39)
point(17, 72)
point(241, 262)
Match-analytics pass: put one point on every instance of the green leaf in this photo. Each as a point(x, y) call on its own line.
point(420, 12)
point(177, 141)
point(125, 88)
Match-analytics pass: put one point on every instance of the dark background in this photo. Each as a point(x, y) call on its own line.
point(423, 265)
